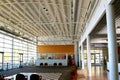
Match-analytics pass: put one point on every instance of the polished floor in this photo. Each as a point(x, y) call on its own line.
point(97, 73)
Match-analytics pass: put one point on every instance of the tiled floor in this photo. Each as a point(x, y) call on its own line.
point(97, 73)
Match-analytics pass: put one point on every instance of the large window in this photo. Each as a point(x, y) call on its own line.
point(11, 47)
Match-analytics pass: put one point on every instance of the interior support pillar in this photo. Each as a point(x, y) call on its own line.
point(76, 52)
point(67, 58)
point(82, 55)
point(88, 56)
point(79, 56)
point(112, 45)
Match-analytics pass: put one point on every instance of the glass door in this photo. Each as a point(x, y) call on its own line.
point(92, 58)
point(95, 59)
point(1, 60)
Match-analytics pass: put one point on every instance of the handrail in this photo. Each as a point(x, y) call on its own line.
point(5, 66)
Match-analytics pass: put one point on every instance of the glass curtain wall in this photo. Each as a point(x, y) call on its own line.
point(11, 48)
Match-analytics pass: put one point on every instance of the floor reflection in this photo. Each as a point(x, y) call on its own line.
point(97, 73)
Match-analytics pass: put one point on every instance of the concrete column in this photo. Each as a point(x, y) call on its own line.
point(79, 57)
point(76, 52)
point(112, 45)
point(67, 59)
point(88, 56)
point(82, 55)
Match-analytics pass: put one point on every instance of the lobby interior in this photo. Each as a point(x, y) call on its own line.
point(48, 36)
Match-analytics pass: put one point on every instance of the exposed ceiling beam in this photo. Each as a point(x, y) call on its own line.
point(64, 17)
point(6, 3)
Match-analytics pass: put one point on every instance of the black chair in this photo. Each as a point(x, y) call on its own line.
point(20, 77)
point(46, 64)
point(55, 64)
point(60, 64)
point(41, 64)
point(35, 77)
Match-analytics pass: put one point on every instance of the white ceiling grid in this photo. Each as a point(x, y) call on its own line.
point(49, 21)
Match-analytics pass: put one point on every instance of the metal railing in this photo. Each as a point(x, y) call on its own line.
point(7, 66)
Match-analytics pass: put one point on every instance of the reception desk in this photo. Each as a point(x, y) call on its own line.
point(52, 62)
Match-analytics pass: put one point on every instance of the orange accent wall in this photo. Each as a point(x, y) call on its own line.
point(55, 49)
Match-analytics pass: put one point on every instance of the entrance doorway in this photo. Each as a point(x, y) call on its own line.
point(95, 59)
point(1, 60)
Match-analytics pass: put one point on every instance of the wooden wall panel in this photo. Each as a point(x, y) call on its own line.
point(55, 49)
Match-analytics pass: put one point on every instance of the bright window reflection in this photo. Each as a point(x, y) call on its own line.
point(11, 47)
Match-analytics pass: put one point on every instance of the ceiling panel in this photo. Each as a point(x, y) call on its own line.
point(47, 21)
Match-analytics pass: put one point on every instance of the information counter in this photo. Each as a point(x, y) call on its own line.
point(52, 62)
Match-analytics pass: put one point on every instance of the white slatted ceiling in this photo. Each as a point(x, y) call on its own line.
point(49, 21)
